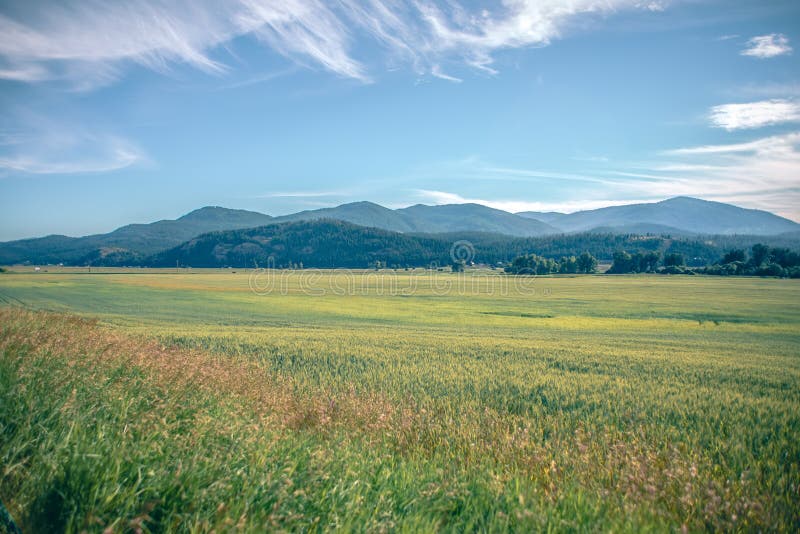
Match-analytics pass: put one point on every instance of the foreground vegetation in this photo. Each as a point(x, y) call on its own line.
point(187, 402)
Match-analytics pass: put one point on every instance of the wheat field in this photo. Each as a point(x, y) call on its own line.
point(193, 401)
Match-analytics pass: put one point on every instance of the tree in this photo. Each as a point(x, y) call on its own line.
point(568, 265)
point(784, 257)
point(458, 266)
point(635, 263)
point(533, 264)
point(675, 259)
point(760, 254)
point(734, 255)
point(648, 262)
point(623, 263)
point(587, 263)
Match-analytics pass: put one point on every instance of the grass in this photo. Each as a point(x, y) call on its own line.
point(185, 402)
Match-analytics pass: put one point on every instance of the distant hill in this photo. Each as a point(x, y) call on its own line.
point(683, 214)
point(678, 217)
point(327, 243)
point(549, 217)
point(128, 243)
point(366, 214)
point(473, 218)
point(322, 243)
point(429, 219)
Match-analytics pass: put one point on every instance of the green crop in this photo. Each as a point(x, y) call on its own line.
point(186, 402)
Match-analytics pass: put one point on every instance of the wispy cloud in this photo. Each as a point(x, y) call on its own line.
point(762, 173)
point(258, 79)
point(764, 89)
point(304, 194)
point(516, 206)
point(766, 46)
point(436, 71)
point(475, 168)
point(754, 114)
point(72, 39)
point(763, 146)
point(24, 73)
point(653, 5)
point(46, 147)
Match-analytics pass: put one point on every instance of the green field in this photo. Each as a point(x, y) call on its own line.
point(412, 401)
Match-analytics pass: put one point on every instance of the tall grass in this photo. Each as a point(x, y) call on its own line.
point(601, 419)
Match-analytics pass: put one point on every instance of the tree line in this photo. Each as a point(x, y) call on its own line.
point(762, 261)
point(535, 264)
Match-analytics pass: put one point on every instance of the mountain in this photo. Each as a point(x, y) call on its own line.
point(130, 242)
point(472, 218)
point(549, 217)
point(322, 243)
point(366, 214)
point(327, 243)
point(428, 219)
point(681, 214)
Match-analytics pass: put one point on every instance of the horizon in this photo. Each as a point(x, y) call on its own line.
point(522, 106)
point(278, 215)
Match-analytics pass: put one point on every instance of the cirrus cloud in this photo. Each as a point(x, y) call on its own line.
point(755, 114)
point(31, 144)
point(49, 41)
point(767, 46)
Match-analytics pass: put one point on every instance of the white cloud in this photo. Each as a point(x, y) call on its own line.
point(436, 71)
point(763, 146)
point(653, 6)
point(767, 90)
point(476, 35)
point(25, 73)
point(52, 41)
point(158, 33)
point(474, 168)
point(516, 206)
point(766, 46)
point(47, 147)
point(304, 194)
point(755, 114)
point(763, 173)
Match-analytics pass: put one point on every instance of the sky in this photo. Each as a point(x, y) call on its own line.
point(140, 110)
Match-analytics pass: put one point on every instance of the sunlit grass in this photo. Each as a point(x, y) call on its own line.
point(621, 403)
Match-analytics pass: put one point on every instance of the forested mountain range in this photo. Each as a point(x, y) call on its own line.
point(680, 221)
point(327, 243)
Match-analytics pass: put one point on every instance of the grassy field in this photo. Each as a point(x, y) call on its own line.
point(187, 401)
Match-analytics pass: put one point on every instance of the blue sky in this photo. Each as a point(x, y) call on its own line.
point(138, 110)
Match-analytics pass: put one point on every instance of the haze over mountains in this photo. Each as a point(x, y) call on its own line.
point(430, 219)
point(684, 215)
point(677, 216)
